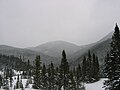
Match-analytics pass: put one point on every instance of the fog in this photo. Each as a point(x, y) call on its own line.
point(26, 23)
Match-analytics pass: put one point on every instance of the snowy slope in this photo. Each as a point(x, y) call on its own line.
point(95, 86)
point(91, 86)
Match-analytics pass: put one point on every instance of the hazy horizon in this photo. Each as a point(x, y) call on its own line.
point(54, 41)
point(27, 23)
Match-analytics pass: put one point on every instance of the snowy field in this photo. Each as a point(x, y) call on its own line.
point(92, 86)
point(95, 86)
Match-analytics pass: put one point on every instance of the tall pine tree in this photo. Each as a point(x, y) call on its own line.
point(37, 73)
point(112, 63)
point(79, 73)
point(78, 77)
point(64, 71)
point(84, 68)
point(52, 77)
point(95, 68)
point(44, 80)
point(89, 67)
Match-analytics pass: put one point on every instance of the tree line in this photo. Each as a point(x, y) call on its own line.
point(8, 64)
point(55, 78)
point(112, 63)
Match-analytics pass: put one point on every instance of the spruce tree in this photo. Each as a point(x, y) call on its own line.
point(89, 67)
point(72, 82)
point(11, 74)
point(78, 77)
point(106, 64)
point(44, 77)
point(95, 68)
point(49, 78)
point(84, 68)
point(79, 73)
point(112, 65)
point(28, 68)
point(64, 71)
point(59, 78)
point(93, 65)
point(53, 76)
point(37, 73)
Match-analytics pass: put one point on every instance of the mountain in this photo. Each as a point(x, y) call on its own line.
point(100, 48)
point(28, 54)
point(11, 61)
point(108, 36)
point(85, 48)
point(55, 48)
point(51, 51)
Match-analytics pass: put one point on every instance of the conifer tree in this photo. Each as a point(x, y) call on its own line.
point(112, 63)
point(59, 78)
point(52, 77)
point(72, 82)
point(44, 77)
point(78, 77)
point(37, 73)
point(79, 72)
point(49, 78)
point(84, 69)
point(95, 68)
point(64, 70)
point(89, 67)
point(11, 78)
point(28, 68)
point(106, 64)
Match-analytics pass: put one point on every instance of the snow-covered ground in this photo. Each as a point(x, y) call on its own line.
point(95, 86)
point(92, 86)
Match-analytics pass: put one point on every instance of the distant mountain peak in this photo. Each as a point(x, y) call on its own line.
point(108, 36)
point(54, 48)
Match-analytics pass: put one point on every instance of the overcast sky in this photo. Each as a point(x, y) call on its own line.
point(26, 23)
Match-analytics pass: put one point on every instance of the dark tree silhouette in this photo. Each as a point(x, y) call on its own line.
point(112, 63)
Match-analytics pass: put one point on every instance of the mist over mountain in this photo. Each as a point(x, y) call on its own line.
point(55, 48)
point(59, 45)
point(100, 48)
point(26, 53)
point(108, 36)
point(51, 51)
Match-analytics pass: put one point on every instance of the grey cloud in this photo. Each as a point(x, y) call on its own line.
point(25, 23)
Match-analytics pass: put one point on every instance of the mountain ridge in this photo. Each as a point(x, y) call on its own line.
point(101, 48)
point(73, 51)
point(55, 48)
point(28, 54)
